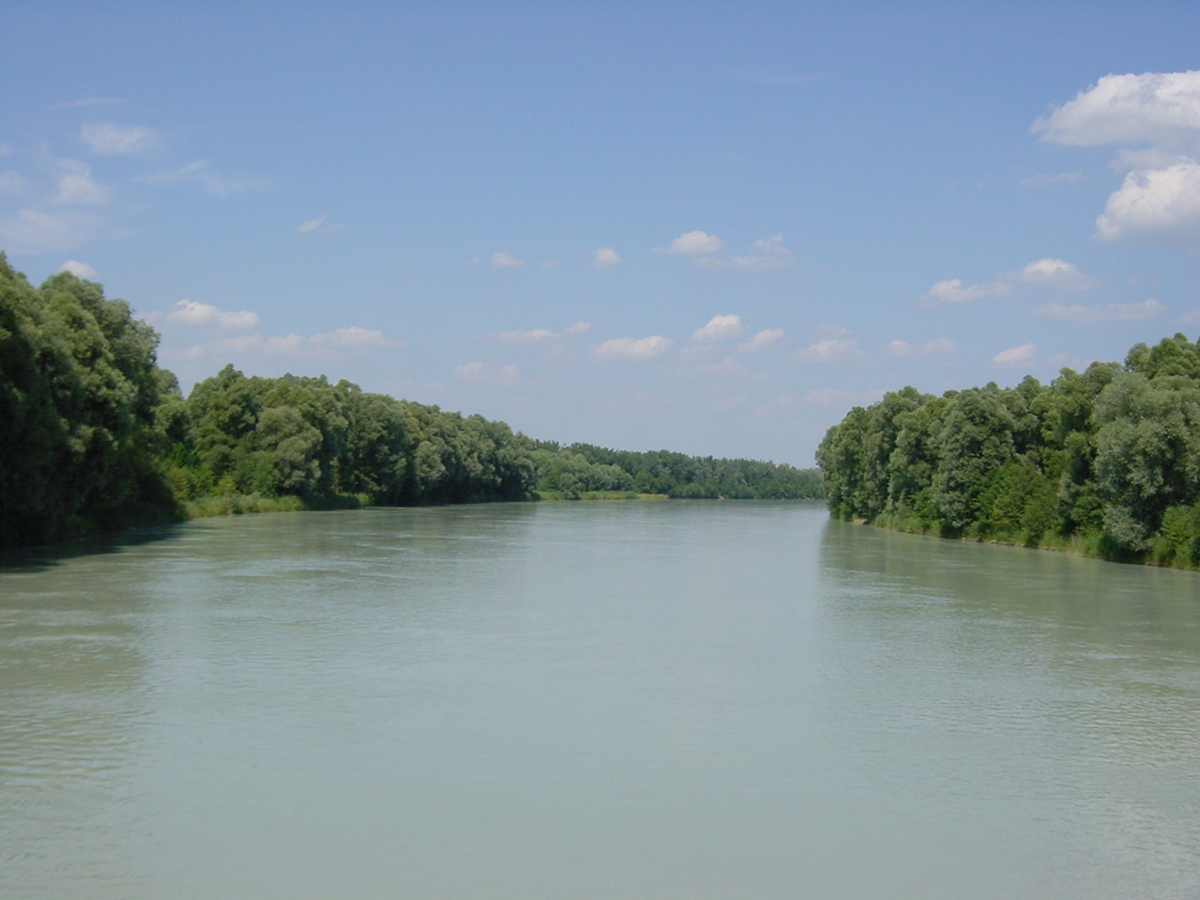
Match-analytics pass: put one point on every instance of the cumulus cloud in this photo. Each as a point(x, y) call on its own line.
point(505, 261)
point(1154, 107)
point(761, 340)
point(954, 291)
point(605, 257)
point(541, 335)
point(1113, 312)
point(1159, 199)
point(310, 225)
point(719, 328)
point(1156, 203)
point(902, 349)
point(482, 373)
point(205, 315)
point(1056, 274)
point(693, 243)
point(630, 348)
point(107, 139)
point(830, 349)
point(1014, 355)
point(78, 269)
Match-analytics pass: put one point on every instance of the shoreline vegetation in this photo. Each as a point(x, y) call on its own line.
point(1103, 463)
point(95, 437)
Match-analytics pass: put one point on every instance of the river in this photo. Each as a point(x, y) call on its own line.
point(684, 699)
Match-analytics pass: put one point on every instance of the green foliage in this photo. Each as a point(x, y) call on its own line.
point(1107, 460)
point(79, 387)
point(582, 468)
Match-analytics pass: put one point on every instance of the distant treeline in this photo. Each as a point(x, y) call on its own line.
point(579, 468)
point(95, 436)
point(1105, 461)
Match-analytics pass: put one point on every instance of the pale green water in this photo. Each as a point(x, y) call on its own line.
point(628, 700)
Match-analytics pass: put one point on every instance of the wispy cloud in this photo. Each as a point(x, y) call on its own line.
point(201, 172)
point(505, 261)
point(830, 349)
point(719, 328)
point(541, 335)
point(954, 291)
point(761, 340)
point(109, 139)
point(482, 373)
point(1113, 312)
point(338, 344)
point(1015, 355)
point(903, 349)
point(631, 348)
point(767, 253)
point(194, 314)
point(36, 230)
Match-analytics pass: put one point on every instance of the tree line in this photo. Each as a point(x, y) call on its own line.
point(1105, 461)
point(95, 436)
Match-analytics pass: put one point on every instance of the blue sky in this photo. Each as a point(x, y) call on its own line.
point(709, 227)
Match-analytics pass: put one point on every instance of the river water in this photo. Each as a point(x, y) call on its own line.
point(682, 699)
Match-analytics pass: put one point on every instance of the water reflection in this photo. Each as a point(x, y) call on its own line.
point(694, 700)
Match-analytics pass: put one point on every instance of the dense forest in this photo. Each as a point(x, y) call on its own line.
point(1105, 461)
point(95, 436)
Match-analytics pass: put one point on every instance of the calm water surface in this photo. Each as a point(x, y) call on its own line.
point(574, 700)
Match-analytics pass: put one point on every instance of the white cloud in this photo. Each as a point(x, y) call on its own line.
point(605, 257)
point(719, 328)
point(336, 344)
point(1155, 107)
point(78, 269)
point(533, 336)
point(900, 348)
point(550, 264)
point(505, 261)
point(32, 231)
point(76, 186)
point(482, 373)
point(954, 291)
point(1158, 203)
point(310, 225)
point(1046, 180)
point(202, 173)
point(1192, 318)
point(1056, 274)
point(107, 139)
point(767, 253)
point(352, 338)
point(540, 335)
point(205, 315)
point(1014, 355)
point(761, 340)
point(830, 349)
point(1113, 312)
point(692, 243)
point(629, 348)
